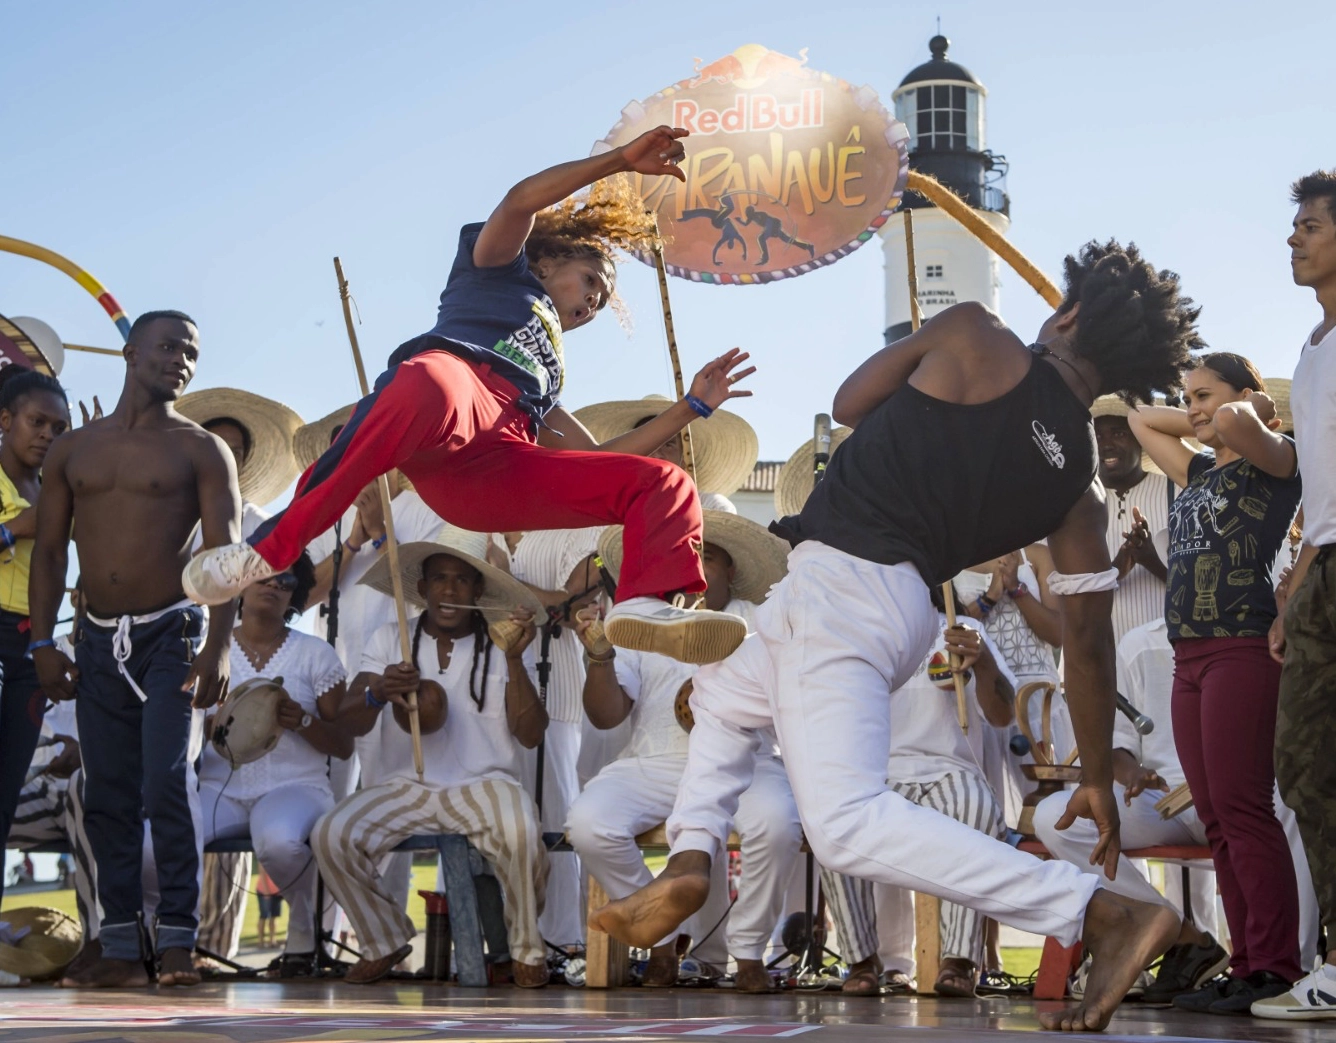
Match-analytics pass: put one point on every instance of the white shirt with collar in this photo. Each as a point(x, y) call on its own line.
point(1146, 678)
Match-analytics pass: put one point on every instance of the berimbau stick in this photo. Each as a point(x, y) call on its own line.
point(948, 592)
point(661, 266)
point(391, 544)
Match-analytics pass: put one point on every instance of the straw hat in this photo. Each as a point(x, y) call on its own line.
point(760, 560)
point(31, 343)
point(794, 483)
point(1279, 390)
point(502, 593)
point(1112, 405)
point(310, 441)
point(725, 446)
point(52, 941)
point(270, 467)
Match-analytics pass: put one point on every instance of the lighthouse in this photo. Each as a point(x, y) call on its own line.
point(942, 104)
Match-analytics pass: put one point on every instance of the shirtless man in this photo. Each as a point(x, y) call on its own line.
point(960, 414)
point(134, 485)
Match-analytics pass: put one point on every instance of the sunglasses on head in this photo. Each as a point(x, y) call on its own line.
point(284, 581)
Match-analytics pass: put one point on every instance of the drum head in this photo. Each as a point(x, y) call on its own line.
point(247, 727)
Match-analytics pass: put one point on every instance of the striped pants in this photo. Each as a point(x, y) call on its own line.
point(497, 817)
point(49, 812)
point(223, 897)
point(962, 795)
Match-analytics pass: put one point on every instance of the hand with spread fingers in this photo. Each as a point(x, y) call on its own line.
point(657, 151)
point(715, 383)
point(1097, 803)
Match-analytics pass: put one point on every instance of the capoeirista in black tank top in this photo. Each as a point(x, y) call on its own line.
point(946, 486)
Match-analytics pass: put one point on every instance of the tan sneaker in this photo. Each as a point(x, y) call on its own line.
point(686, 634)
point(216, 576)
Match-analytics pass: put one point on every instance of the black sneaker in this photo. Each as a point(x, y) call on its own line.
point(1215, 990)
point(1184, 968)
point(1259, 985)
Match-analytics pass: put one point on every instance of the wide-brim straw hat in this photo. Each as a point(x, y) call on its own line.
point(1279, 390)
point(724, 447)
point(1112, 405)
point(794, 482)
point(310, 441)
point(760, 560)
point(502, 593)
point(270, 466)
point(53, 941)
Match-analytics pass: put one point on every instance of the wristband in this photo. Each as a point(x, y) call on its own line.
point(377, 544)
point(7, 538)
point(703, 410)
point(986, 600)
point(44, 643)
point(372, 701)
point(348, 546)
point(591, 661)
point(985, 606)
point(1021, 591)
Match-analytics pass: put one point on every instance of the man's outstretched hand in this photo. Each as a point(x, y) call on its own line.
point(657, 151)
point(1098, 804)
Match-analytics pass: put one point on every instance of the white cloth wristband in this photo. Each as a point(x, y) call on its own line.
point(1082, 582)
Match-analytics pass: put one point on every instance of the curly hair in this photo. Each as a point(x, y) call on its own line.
point(1135, 326)
point(609, 217)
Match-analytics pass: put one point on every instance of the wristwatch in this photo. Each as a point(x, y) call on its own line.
point(306, 722)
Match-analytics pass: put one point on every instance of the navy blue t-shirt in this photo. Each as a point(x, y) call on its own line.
point(1225, 531)
point(501, 316)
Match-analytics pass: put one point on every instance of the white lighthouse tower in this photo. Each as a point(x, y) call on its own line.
point(942, 104)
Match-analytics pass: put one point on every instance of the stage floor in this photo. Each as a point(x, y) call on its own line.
point(267, 1013)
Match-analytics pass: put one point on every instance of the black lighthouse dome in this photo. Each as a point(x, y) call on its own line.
point(940, 68)
point(942, 104)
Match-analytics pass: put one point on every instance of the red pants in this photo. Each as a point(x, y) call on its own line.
point(453, 429)
point(1224, 709)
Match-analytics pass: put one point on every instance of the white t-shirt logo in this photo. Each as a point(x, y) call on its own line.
point(1048, 445)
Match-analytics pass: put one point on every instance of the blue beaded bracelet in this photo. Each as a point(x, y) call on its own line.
point(377, 544)
point(7, 538)
point(372, 701)
point(699, 406)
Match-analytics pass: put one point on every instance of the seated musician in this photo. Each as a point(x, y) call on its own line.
point(478, 708)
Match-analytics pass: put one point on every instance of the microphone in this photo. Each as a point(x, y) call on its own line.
point(820, 446)
point(1143, 724)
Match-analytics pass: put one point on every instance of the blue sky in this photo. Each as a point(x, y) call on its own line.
point(215, 157)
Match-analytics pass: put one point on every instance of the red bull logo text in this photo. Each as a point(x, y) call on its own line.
point(787, 168)
point(751, 112)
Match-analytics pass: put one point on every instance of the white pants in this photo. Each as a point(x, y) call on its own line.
point(895, 928)
point(279, 824)
point(836, 637)
point(636, 793)
point(1141, 826)
point(562, 921)
point(497, 817)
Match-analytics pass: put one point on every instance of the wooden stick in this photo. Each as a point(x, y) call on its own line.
point(391, 544)
point(660, 266)
point(948, 592)
point(94, 351)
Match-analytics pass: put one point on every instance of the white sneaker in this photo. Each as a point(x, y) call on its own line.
point(1313, 998)
point(216, 576)
point(1076, 987)
point(685, 634)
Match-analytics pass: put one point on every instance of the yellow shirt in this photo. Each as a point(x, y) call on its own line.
point(16, 560)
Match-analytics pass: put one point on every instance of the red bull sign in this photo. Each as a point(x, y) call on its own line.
point(787, 168)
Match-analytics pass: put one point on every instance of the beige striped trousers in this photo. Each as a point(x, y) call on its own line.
point(497, 817)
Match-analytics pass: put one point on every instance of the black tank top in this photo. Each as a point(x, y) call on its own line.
point(946, 486)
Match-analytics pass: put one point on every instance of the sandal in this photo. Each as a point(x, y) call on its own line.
point(956, 978)
point(292, 965)
point(864, 978)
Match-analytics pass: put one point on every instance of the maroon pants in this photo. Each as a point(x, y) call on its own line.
point(452, 427)
point(1224, 708)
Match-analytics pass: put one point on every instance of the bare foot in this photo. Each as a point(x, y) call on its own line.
point(176, 967)
point(864, 978)
point(753, 977)
point(108, 974)
point(88, 955)
point(664, 964)
point(365, 971)
point(658, 909)
point(1124, 936)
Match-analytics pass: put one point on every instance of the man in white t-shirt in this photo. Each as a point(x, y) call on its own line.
point(1305, 632)
point(1145, 768)
point(636, 792)
point(471, 784)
